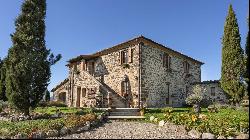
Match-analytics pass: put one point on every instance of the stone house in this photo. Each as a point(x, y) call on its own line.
point(135, 73)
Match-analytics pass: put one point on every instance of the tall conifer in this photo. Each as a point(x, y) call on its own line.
point(232, 59)
point(28, 67)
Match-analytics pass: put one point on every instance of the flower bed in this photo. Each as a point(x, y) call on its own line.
point(227, 122)
point(41, 128)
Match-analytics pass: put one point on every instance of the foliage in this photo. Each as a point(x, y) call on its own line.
point(27, 68)
point(76, 120)
point(3, 105)
point(195, 97)
point(2, 80)
point(47, 96)
point(247, 72)
point(212, 109)
point(232, 59)
point(168, 110)
point(227, 122)
point(12, 128)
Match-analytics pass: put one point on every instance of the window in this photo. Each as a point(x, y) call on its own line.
point(186, 67)
point(213, 91)
point(166, 61)
point(124, 57)
point(124, 88)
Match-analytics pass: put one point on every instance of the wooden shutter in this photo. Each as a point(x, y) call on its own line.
point(120, 54)
point(82, 66)
point(130, 55)
point(163, 59)
point(166, 61)
point(169, 62)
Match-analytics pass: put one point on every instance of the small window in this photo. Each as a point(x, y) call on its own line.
point(213, 91)
point(186, 67)
point(124, 57)
point(166, 60)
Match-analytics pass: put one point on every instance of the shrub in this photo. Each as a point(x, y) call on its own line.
point(3, 105)
point(168, 110)
point(193, 99)
point(213, 108)
point(76, 120)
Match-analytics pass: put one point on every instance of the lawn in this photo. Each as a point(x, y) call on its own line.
point(227, 122)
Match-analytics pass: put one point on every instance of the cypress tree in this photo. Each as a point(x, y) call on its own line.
point(232, 59)
point(2, 80)
point(47, 96)
point(247, 60)
point(28, 70)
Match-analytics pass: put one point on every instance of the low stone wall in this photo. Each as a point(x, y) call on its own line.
point(63, 131)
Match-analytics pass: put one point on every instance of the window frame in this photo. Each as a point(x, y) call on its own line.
point(212, 93)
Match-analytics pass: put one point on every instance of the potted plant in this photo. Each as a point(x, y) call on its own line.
point(142, 111)
point(125, 65)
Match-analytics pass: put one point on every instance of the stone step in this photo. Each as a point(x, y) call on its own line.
point(124, 114)
point(126, 117)
point(126, 110)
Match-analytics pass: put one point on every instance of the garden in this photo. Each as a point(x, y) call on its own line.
point(219, 120)
point(48, 121)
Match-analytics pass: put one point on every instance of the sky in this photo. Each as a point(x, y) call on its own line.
point(76, 27)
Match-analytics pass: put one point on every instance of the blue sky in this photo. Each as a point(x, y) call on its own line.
point(75, 27)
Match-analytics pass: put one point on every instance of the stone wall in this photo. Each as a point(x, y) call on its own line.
point(110, 72)
point(219, 95)
point(63, 89)
point(156, 78)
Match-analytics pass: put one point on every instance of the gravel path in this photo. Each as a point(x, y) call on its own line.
point(132, 130)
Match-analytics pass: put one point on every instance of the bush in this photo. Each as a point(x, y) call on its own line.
point(193, 99)
point(3, 105)
point(212, 108)
point(76, 120)
point(167, 110)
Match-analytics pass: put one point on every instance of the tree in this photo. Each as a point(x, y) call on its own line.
point(28, 61)
point(47, 96)
point(247, 60)
point(2, 80)
point(195, 97)
point(232, 59)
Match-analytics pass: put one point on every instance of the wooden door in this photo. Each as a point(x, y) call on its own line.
point(78, 99)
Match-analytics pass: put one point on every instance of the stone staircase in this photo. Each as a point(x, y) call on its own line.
point(118, 101)
point(125, 113)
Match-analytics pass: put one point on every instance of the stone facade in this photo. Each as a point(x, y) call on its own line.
point(163, 86)
point(130, 74)
point(212, 92)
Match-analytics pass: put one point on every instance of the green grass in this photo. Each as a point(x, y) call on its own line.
point(67, 110)
point(52, 110)
point(226, 122)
